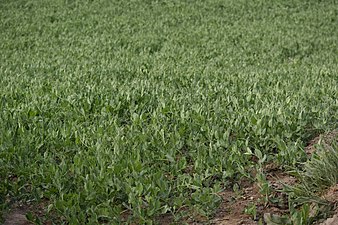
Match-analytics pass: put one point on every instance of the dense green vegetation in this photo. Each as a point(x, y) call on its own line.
point(116, 109)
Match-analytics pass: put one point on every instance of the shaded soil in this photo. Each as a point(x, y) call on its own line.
point(17, 217)
point(331, 196)
point(17, 214)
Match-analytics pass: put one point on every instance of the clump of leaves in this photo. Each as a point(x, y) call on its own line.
point(300, 216)
point(319, 173)
point(306, 203)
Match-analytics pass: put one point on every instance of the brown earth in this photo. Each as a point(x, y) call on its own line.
point(17, 215)
point(331, 196)
point(232, 210)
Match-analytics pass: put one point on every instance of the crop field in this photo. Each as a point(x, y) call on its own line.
point(147, 112)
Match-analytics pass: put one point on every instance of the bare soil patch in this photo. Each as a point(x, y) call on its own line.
point(17, 217)
point(331, 195)
point(232, 210)
point(17, 214)
point(325, 139)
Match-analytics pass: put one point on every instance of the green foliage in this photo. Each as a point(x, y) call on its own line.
point(301, 217)
point(319, 173)
point(115, 108)
point(251, 210)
